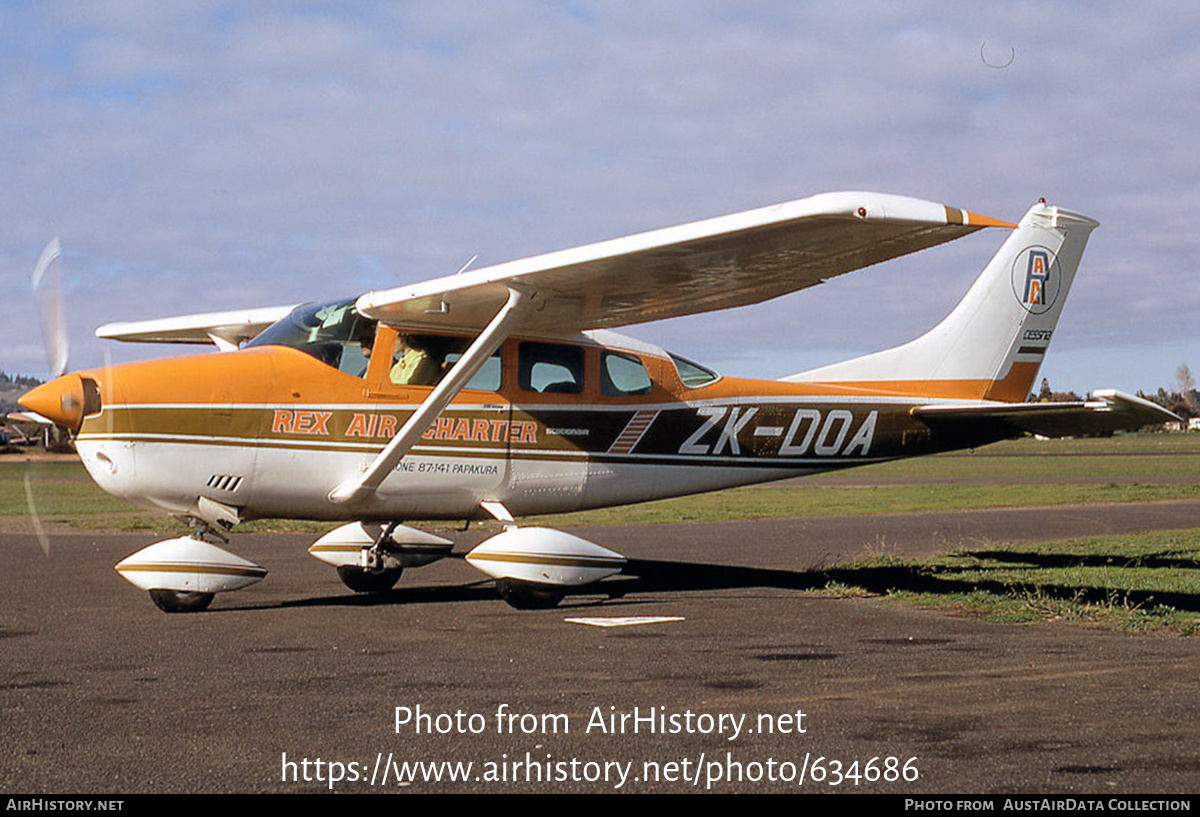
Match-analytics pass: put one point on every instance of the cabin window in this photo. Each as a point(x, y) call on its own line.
point(488, 376)
point(692, 374)
point(550, 368)
point(622, 375)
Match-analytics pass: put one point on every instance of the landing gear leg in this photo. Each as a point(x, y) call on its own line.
point(373, 556)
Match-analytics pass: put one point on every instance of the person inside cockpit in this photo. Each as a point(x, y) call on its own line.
point(414, 366)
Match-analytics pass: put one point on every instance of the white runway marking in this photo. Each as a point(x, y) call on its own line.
point(622, 621)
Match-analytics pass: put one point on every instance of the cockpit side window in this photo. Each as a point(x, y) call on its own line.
point(435, 356)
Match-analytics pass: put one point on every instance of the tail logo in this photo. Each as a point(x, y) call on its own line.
point(1035, 279)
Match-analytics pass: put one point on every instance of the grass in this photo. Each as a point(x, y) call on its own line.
point(1121, 444)
point(1141, 583)
point(65, 497)
point(1172, 455)
point(822, 500)
point(59, 488)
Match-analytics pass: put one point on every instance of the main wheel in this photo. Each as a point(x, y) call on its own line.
point(369, 581)
point(178, 601)
point(527, 596)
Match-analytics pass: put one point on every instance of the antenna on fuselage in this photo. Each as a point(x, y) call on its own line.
point(470, 261)
point(444, 306)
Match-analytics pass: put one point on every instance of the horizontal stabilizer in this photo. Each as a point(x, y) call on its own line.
point(1108, 410)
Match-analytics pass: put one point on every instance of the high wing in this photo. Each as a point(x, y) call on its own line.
point(1108, 410)
point(225, 329)
point(718, 263)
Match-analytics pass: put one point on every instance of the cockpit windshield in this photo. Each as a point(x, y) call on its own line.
point(334, 333)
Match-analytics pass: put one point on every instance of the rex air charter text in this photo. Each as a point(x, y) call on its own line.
point(288, 421)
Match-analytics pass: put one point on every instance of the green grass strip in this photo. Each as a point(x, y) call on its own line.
point(806, 500)
point(1137, 583)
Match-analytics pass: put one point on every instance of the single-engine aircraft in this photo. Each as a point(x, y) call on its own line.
point(503, 391)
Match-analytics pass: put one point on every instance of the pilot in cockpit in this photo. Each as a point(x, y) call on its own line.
point(414, 366)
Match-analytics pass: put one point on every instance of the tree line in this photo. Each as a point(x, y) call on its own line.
point(1183, 399)
point(18, 381)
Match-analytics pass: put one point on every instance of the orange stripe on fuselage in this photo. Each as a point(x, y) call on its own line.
point(1012, 388)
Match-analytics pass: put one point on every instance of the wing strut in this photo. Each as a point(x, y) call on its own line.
point(357, 490)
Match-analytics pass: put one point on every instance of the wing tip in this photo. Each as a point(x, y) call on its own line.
point(975, 219)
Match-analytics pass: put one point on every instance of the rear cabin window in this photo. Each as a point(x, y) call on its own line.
point(692, 374)
point(623, 375)
point(550, 368)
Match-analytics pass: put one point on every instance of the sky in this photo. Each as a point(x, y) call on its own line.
point(202, 156)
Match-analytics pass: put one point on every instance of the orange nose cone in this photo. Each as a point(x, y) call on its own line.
point(65, 400)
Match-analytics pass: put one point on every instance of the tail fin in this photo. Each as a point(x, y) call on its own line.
point(992, 345)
